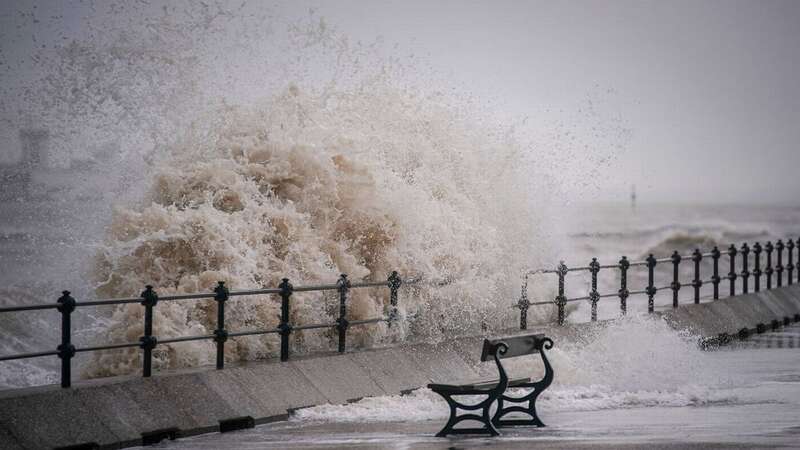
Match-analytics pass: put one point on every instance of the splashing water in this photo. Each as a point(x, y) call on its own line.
point(613, 368)
point(316, 156)
point(313, 185)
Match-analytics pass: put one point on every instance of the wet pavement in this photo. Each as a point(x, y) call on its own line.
point(760, 409)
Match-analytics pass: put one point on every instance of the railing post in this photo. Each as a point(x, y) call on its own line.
point(768, 271)
point(779, 267)
point(745, 251)
point(651, 288)
point(790, 259)
point(66, 351)
point(594, 296)
point(676, 285)
point(148, 342)
point(394, 281)
point(732, 272)
point(697, 282)
point(220, 334)
point(341, 322)
point(285, 328)
point(561, 299)
point(757, 270)
point(715, 279)
point(624, 264)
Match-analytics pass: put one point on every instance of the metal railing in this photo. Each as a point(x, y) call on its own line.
point(624, 265)
point(66, 305)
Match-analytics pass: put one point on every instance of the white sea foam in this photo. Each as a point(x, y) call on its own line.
point(424, 404)
point(345, 160)
point(307, 188)
point(316, 156)
point(634, 362)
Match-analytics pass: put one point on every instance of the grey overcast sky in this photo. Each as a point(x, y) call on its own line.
point(708, 90)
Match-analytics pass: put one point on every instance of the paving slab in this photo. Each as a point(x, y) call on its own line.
point(757, 305)
point(710, 318)
point(147, 395)
point(116, 409)
point(441, 363)
point(52, 418)
point(776, 306)
point(194, 400)
point(748, 309)
point(723, 317)
point(787, 300)
point(733, 316)
point(238, 389)
point(278, 386)
point(685, 318)
point(339, 378)
point(392, 370)
point(7, 440)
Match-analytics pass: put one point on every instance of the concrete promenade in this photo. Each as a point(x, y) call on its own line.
point(114, 412)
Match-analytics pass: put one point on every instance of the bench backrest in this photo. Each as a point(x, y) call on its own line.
point(518, 345)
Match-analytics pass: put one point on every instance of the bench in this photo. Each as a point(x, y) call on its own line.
point(495, 390)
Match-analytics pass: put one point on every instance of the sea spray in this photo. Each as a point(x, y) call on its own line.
point(636, 361)
point(314, 184)
point(247, 143)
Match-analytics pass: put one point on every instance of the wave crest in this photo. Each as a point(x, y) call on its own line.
point(309, 187)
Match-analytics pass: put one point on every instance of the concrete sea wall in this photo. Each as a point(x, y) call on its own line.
point(116, 412)
point(726, 318)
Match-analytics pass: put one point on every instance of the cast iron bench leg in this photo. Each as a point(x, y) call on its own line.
point(487, 428)
point(489, 397)
point(530, 398)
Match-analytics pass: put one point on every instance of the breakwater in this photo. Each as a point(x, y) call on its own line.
point(117, 412)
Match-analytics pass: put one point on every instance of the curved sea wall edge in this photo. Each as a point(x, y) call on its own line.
point(115, 412)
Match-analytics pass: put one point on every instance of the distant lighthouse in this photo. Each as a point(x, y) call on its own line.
point(633, 197)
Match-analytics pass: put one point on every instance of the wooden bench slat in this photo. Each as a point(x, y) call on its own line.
point(512, 382)
point(480, 384)
point(525, 344)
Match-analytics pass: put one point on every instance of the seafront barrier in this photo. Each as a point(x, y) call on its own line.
point(117, 412)
point(149, 298)
point(675, 283)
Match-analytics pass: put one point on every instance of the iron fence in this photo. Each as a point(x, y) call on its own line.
point(624, 265)
point(149, 298)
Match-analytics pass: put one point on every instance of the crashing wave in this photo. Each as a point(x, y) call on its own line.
point(311, 186)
